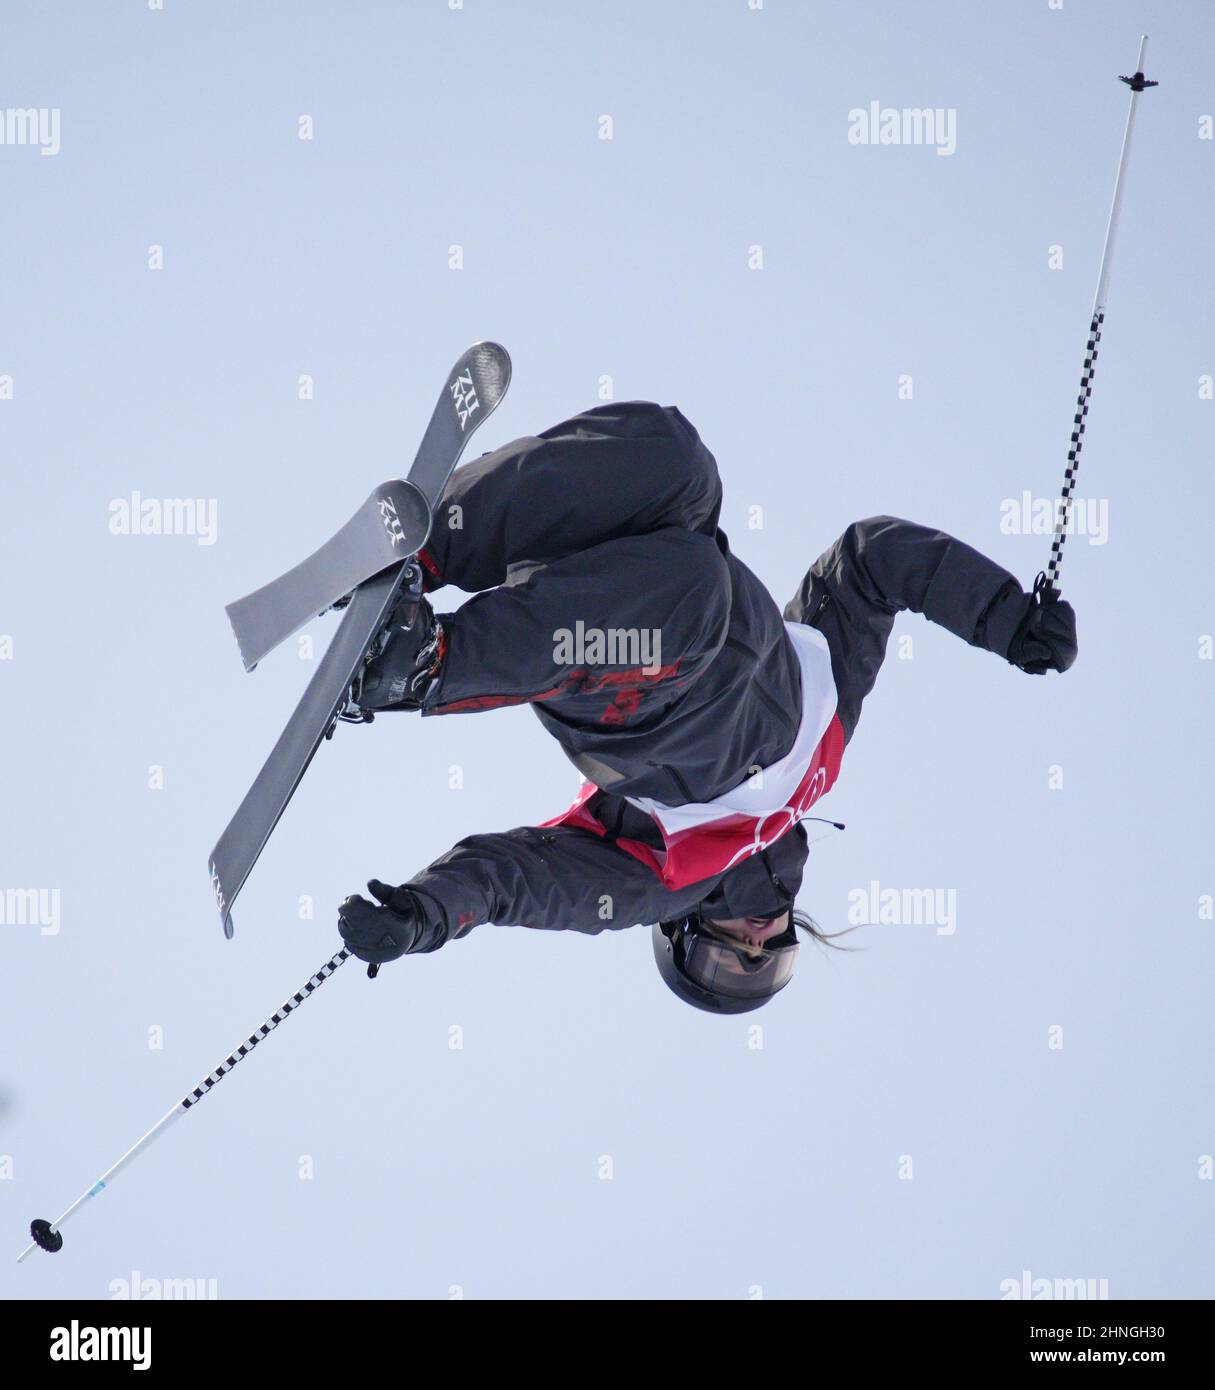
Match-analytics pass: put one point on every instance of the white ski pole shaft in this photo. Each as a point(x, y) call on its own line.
point(46, 1233)
point(1137, 83)
point(1111, 227)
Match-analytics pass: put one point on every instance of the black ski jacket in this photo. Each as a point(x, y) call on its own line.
point(609, 520)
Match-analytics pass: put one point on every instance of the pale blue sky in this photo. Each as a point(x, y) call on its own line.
point(1077, 908)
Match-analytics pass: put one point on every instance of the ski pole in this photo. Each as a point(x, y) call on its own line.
point(46, 1233)
point(1137, 83)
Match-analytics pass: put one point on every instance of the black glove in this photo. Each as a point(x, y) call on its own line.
point(395, 928)
point(1045, 639)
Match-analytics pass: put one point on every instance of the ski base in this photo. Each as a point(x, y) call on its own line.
point(391, 525)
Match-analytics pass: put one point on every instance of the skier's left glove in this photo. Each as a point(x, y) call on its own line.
point(397, 927)
point(1045, 639)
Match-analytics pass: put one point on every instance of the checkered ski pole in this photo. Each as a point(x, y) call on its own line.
point(1137, 83)
point(46, 1233)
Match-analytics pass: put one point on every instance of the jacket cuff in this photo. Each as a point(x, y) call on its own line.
point(432, 922)
point(1001, 618)
point(443, 907)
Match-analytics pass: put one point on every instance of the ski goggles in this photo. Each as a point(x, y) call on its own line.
point(723, 965)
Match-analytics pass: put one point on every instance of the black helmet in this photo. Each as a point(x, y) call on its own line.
point(710, 970)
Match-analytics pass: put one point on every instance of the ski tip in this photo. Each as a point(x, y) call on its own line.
point(45, 1238)
point(493, 365)
point(229, 929)
point(486, 347)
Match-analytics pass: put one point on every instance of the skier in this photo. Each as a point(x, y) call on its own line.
point(705, 725)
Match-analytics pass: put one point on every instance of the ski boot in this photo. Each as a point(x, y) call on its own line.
point(403, 661)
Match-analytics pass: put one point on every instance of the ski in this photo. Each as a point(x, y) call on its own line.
point(470, 397)
point(392, 524)
point(314, 718)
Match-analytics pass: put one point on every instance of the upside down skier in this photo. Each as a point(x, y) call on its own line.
point(705, 733)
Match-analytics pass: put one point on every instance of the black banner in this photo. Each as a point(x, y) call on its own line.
point(862, 1337)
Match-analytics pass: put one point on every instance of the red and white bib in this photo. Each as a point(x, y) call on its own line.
point(705, 839)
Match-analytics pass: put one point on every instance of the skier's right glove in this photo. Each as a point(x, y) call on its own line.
point(395, 928)
point(1045, 639)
